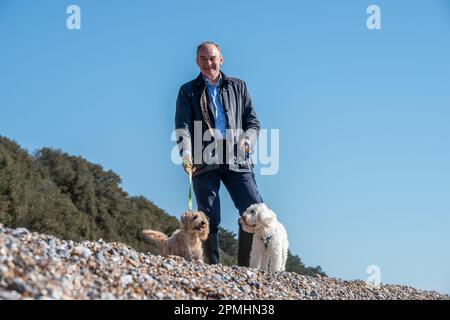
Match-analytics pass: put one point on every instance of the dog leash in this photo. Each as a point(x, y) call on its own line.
point(247, 158)
point(190, 191)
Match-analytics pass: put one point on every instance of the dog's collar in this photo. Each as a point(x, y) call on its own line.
point(266, 240)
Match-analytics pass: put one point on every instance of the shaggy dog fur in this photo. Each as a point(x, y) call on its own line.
point(270, 243)
point(187, 241)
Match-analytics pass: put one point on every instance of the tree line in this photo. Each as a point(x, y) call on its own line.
point(53, 192)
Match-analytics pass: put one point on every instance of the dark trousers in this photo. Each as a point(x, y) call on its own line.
point(243, 191)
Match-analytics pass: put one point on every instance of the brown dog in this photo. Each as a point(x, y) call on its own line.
point(187, 241)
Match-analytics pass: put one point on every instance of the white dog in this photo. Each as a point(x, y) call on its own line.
point(270, 242)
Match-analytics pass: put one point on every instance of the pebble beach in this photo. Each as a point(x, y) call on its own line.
point(39, 266)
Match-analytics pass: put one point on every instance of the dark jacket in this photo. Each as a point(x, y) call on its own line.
point(194, 110)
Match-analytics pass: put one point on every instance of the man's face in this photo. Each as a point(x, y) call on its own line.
point(209, 61)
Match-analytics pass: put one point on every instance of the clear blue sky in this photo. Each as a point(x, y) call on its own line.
point(363, 114)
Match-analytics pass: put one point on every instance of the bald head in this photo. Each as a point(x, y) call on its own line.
point(206, 43)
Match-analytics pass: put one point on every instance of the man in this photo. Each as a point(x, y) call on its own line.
point(217, 128)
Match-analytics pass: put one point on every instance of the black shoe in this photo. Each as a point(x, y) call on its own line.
point(244, 247)
point(211, 248)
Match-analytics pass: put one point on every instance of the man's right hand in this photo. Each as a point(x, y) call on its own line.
point(188, 164)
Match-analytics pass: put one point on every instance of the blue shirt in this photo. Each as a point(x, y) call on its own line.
point(219, 113)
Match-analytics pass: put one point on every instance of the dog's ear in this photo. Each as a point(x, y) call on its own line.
point(184, 221)
point(261, 208)
point(267, 217)
point(205, 233)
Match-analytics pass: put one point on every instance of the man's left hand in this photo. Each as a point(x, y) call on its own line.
point(245, 145)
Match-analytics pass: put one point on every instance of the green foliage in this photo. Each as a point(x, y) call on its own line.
point(53, 192)
point(227, 247)
point(71, 198)
point(228, 241)
point(295, 264)
point(31, 200)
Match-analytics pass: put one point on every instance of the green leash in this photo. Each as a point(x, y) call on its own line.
point(190, 192)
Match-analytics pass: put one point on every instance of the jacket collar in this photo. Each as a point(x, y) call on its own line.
point(200, 81)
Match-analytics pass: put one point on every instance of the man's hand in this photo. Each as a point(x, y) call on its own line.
point(188, 164)
point(245, 145)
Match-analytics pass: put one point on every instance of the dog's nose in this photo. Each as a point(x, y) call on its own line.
point(203, 223)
